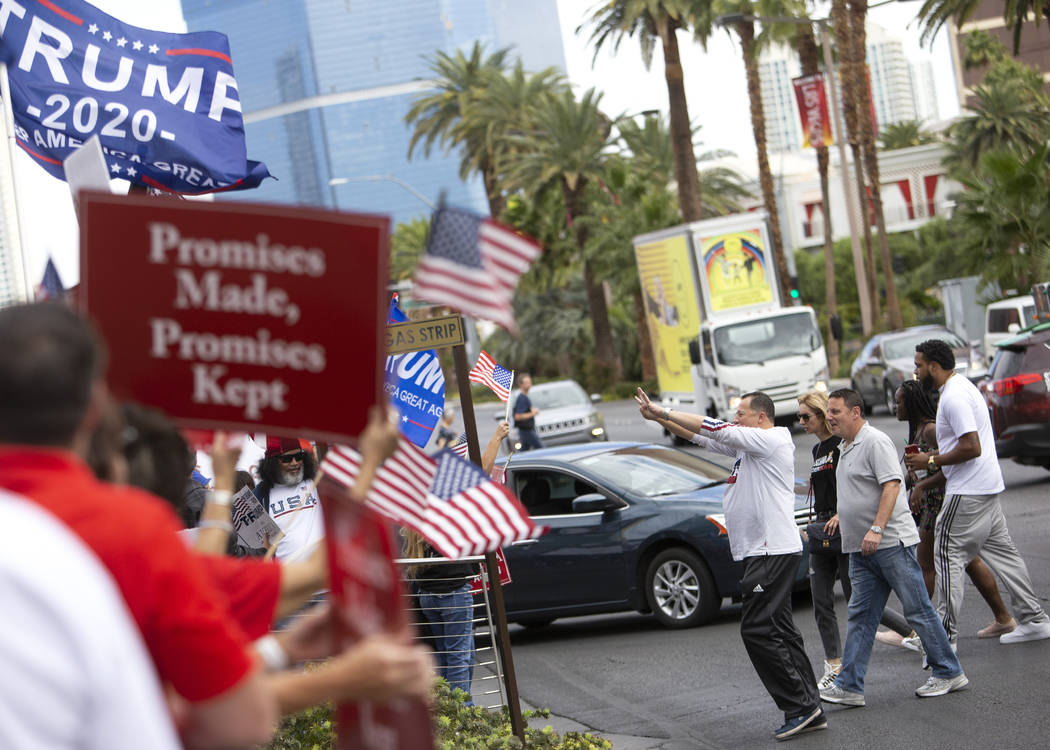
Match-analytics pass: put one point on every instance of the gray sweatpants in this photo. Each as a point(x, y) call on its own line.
point(971, 525)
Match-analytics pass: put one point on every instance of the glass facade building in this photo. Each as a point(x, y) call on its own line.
point(325, 86)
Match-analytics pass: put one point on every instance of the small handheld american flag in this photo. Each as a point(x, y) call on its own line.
point(473, 264)
point(486, 372)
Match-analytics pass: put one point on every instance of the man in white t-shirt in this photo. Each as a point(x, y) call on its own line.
point(76, 675)
point(971, 522)
point(759, 508)
point(286, 489)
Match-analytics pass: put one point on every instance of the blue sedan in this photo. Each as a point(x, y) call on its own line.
point(633, 526)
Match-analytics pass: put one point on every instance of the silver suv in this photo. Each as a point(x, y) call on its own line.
point(567, 414)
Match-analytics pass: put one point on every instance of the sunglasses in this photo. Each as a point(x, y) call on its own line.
point(287, 458)
point(804, 417)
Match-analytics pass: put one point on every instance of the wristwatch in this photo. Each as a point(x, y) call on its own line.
point(667, 413)
point(931, 465)
point(877, 529)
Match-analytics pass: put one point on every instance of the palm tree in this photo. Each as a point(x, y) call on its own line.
point(840, 22)
point(743, 10)
point(935, 13)
point(904, 134)
point(406, 245)
point(1005, 211)
point(650, 20)
point(858, 12)
point(1006, 114)
point(567, 150)
point(440, 117)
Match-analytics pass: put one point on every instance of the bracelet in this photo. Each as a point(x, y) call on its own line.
point(209, 524)
point(272, 653)
point(219, 497)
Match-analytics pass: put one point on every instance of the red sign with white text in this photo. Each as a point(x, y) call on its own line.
point(365, 586)
point(813, 110)
point(238, 316)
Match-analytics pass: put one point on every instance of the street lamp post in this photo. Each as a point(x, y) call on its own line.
point(383, 178)
point(851, 200)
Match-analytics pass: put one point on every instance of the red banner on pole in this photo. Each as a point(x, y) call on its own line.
point(365, 587)
point(238, 316)
point(813, 110)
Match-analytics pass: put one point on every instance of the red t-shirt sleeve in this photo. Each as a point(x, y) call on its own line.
point(251, 589)
point(195, 642)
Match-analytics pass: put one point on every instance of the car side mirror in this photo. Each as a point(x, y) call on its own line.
point(596, 398)
point(694, 351)
point(1013, 328)
point(593, 502)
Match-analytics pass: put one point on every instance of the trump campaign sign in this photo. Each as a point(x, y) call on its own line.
point(239, 316)
point(165, 106)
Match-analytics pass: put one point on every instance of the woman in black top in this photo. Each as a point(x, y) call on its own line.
point(825, 569)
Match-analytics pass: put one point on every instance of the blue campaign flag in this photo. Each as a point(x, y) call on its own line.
point(164, 106)
point(415, 385)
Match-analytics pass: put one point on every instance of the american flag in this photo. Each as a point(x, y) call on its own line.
point(472, 264)
point(50, 286)
point(486, 372)
point(449, 501)
point(459, 445)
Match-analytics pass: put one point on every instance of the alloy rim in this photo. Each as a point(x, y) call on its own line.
point(676, 589)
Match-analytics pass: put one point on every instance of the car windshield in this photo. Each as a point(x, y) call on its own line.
point(903, 347)
point(654, 471)
point(557, 395)
point(767, 338)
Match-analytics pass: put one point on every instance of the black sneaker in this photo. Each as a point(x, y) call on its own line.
point(811, 722)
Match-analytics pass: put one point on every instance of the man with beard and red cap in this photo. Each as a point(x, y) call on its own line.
point(288, 491)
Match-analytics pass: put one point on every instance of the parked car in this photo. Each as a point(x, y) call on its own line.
point(567, 414)
point(888, 359)
point(633, 526)
point(1006, 318)
point(1018, 396)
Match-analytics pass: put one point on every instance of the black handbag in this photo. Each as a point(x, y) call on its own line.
point(821, 542)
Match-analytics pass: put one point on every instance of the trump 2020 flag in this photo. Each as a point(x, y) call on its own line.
point(415, 385)
point(463, 513)
point(472, 264)
point(164, 106)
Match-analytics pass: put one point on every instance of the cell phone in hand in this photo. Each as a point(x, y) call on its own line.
point(911, 448)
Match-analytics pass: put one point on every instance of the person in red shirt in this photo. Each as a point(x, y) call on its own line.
point(52, 397)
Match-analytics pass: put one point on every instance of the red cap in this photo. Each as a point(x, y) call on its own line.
point(276, 445)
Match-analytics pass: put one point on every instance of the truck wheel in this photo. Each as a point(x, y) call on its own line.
point(680, 589)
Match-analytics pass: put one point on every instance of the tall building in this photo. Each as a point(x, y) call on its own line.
point(925, 90)
point(1034, 47)
point(892, 89)
point(776, 67)
point(325, 86)
point(892, 93)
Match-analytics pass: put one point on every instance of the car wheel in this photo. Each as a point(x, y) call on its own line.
point(680, 589)
point(890, 403)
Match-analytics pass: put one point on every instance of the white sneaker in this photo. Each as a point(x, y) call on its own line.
point(941, 685)
point(831, 671)
point(1027, 631)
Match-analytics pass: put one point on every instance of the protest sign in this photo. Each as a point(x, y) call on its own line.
point(253, 524)
point(365, 586)
point(238, 316)
point(415, 383)
point(165, 106)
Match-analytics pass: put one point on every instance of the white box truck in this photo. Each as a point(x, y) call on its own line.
point(716, 321)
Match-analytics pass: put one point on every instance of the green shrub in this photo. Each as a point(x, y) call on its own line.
point(456, 727)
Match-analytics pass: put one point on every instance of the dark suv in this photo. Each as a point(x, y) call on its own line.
point(1018, 395)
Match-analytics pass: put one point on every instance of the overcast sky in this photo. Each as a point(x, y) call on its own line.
point(715, 87)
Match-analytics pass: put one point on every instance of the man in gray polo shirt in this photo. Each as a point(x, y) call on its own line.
point(880, 537)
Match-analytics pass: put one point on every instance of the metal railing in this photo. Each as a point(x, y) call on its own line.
point(488, 686)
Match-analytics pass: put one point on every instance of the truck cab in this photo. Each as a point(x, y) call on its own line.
point(779, 352)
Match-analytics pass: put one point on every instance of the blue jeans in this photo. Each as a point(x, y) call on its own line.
point(530, 439)
point(451, 620)
point(873, 577)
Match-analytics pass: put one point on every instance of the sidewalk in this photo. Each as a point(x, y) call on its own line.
point(560, 724)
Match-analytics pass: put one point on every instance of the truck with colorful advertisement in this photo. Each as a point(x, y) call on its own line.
point(716, 321)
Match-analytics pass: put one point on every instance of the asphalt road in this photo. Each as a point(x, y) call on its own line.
point(626, 675)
